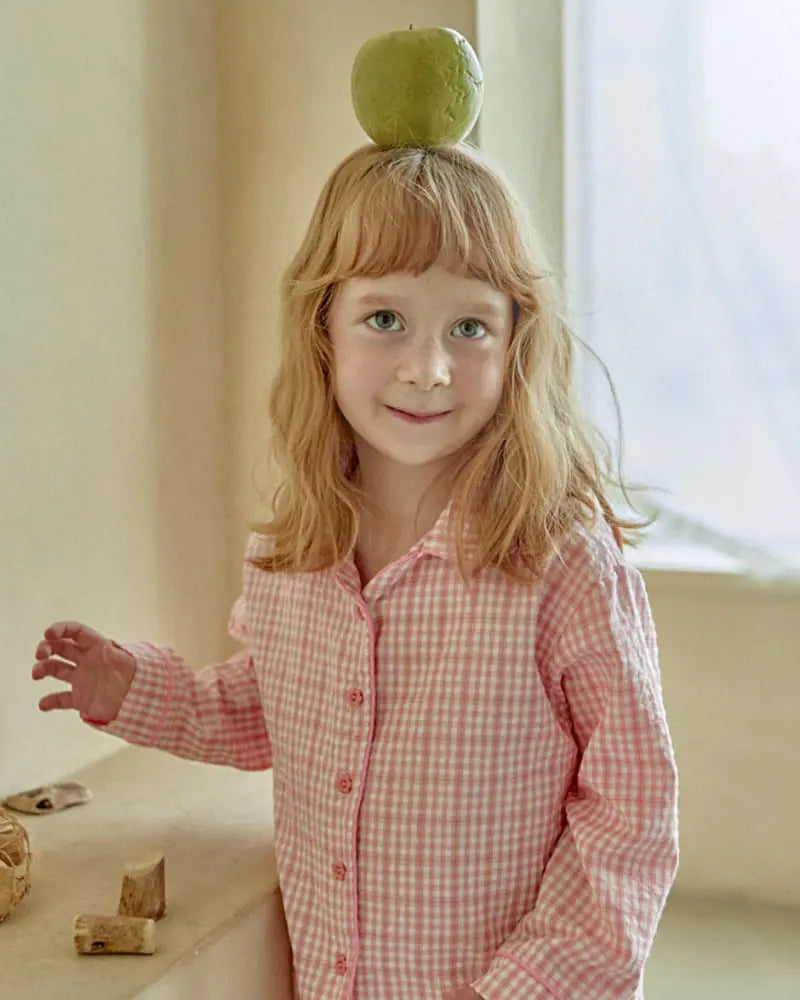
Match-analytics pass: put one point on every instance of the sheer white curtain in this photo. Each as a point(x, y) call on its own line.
point(683, 235)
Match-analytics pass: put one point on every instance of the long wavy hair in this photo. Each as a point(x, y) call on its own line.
point(535, 469)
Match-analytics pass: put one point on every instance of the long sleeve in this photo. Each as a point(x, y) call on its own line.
point(214, 715)
point(606, 882)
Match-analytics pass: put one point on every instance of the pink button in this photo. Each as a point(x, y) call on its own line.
point(355, 696)
point(344, 784)
point(339, 870)
point(360, 613)
point(341, 964)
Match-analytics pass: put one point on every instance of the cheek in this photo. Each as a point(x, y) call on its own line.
point(486, 383)
point(355, 373)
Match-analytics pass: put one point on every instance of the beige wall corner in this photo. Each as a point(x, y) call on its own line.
point(519, 45)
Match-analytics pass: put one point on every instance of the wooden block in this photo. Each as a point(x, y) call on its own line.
point(100, 935)
point(143, 889)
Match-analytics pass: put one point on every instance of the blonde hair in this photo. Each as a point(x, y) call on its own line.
point(535, 469)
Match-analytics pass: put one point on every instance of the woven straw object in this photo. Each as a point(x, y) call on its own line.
point(15, 863)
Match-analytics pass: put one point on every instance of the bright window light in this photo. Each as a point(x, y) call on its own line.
point(683, 252)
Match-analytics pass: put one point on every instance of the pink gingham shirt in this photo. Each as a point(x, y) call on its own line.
point(470, 788)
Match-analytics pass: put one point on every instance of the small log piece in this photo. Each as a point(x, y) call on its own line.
point(143, 889)
point(116, 935)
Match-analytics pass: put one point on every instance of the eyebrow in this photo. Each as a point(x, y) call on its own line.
point(472, 307)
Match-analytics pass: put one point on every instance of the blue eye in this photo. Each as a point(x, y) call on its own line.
point(383, 320)
point(473, 330)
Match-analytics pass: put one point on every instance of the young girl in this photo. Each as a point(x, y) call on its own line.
point(446, 660)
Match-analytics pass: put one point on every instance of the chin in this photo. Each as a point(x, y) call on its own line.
point(417, 459)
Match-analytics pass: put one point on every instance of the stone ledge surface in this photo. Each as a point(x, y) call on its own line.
point(215, 828)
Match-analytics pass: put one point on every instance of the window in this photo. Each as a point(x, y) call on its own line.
point(683, 244)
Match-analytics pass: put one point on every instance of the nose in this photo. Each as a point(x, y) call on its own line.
point(425, 363)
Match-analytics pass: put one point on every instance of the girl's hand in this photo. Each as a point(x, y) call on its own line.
point(464, 993)
point(98, 671)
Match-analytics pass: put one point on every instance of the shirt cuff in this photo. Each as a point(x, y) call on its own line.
point(509, 978)
point(144, 712)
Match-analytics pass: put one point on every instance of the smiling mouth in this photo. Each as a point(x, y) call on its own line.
point(420, 418)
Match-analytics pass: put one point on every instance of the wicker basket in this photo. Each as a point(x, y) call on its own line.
point(15, 863)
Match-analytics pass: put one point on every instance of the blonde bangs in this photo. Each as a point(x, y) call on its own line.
point(415, 210)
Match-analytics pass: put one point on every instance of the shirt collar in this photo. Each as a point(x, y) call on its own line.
point(435, 542)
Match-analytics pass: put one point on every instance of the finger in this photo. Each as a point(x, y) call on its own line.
point(60, 699)
point(64, 648)
point(53, 668)
point(43, 650)
point(82, 635)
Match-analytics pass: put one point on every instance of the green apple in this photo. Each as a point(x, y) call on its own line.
point(421, 87)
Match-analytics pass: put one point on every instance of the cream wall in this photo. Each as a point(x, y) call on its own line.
point(113, 500)
point(160, 162)
point(730, 660)
point(521, 123)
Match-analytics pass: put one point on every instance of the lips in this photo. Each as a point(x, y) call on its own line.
point(415, 417)
point(420, 416)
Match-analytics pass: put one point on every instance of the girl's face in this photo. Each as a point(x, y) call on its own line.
point(429, 344)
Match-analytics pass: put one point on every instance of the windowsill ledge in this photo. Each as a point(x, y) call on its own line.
point(215, 828)
point(696, 568)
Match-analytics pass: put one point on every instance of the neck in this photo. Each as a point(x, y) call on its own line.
point(396, 504)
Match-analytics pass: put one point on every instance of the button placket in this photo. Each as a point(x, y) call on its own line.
point(344, 785)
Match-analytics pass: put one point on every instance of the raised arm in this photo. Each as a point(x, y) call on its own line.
point(147, 695)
